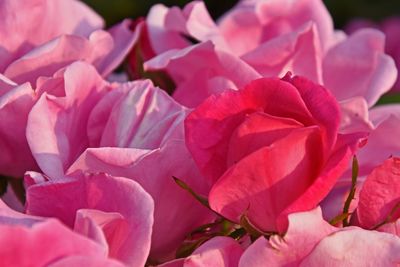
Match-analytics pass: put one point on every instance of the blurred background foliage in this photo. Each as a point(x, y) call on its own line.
point(341, 10)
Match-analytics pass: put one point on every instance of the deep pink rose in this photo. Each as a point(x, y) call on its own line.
point(311, 241)
point(270, 137)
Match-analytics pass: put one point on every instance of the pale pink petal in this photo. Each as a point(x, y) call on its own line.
point(105, 50)
point(355, 116)
point(45, 60)
point(136, 115)
point(176, 213)
point(55, 130)
point(305, 230)
point(380, 113)
point(193, 69)
point(362, 66)
point(298, 52)
point(42, 244)
point(253, 22)
point(123, 40)
point(382, 143)
point(91, 223)
point(162, 39)
point(128, 236)
point(40, 21)
point(219, 251)
point(355, 247)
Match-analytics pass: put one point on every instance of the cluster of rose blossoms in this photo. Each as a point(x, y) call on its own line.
point(255, 142)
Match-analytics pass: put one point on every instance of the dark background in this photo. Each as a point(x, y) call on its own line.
point(341, 10)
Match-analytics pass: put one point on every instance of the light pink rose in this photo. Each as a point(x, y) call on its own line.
point(125, 132)
point(35, 48)
point(113, 211)
point(48, 35)
point(311, 241)
point(34, 241)
point(270, 137)
point(272, 37)
point(79, 81)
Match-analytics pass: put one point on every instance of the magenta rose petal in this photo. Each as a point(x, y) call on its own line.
point(379, 195)
point(255, 184)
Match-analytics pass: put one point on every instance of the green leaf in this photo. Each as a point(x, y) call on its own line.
point(339, 218)
point(352, 192)
point(389, 98)
point(183, 185)
point(238, 233)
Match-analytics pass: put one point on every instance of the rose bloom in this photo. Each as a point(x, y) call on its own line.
point(269, 149)
point(39, 43)
point(124, 130)
point(261, 37)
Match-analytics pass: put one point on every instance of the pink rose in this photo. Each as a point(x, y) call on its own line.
point(46, 37)
point(78, 81)
point(311, 241)
point(124, 130)
point(270, 137)
point(49, 35)
point(271, 38)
